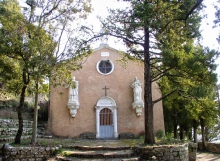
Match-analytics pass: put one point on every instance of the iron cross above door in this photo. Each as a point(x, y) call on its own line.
point(105, 90)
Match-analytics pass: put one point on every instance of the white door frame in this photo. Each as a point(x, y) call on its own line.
point(106, 102)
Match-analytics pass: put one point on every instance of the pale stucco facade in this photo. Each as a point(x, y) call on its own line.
point(90, 91)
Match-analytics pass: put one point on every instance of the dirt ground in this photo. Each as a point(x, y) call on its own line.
point(202, 156)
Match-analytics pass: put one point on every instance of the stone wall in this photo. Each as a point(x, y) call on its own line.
point(27, 153)
point(211, 147)
point(164, 152)
point(8, 129)
point(13, 131)
point(192, 149)
point(14, 123)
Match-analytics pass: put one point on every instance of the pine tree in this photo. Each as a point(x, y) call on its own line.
point(152, 31)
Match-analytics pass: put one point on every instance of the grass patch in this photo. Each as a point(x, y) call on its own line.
point(132, 142)
point(45, 142)
point(65, 153)
point(68, 143)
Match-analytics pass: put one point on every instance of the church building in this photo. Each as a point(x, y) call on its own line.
point(107, 99)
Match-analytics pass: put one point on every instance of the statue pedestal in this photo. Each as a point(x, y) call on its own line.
point(73, 106)
point(138, 105)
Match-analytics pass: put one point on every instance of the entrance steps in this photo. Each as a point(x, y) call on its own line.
point(97, 153)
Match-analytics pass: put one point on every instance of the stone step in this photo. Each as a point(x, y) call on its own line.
point(61, 158)
point(89, 148)
point(96, 154)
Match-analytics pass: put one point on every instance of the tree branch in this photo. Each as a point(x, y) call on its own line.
point(187, 14)
point(165, 96)
point(193, 8)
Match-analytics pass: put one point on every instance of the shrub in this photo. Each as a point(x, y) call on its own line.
point(141, 135)
point(159, 134)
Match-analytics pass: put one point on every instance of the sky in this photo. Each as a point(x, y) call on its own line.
point(209, 33)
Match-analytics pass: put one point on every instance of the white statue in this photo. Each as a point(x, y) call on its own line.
point(73, 92)
point(73, 100)
point(136, 85)
point(138, 103)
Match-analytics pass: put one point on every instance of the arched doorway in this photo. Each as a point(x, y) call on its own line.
point(106, 123)
point(106, 118)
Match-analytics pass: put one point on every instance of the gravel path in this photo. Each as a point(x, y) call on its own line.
point(202, 156)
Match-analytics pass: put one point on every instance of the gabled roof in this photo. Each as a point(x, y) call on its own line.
point(102, 46)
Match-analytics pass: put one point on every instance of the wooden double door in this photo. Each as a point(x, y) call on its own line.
point(106, 123)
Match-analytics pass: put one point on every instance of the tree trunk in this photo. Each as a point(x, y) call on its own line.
point(202, 123)
point(34, 132)
point(25, 78)
point(195, 125)
point(206, 134)
point(189, 134)
point(20, 118)
point(149, 123)
point(195, 139)
point(175, 131)
point(181, 133)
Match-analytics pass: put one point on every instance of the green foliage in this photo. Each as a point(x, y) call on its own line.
point(168, 137)
point(212, 129)
point(66, 153)
point(159, 134)
point(8, 109)
point(28, 105)
point(32, 38)
point(195, 82)
point(10, 78)
point(155, 32)
point(36, 47)
point(141, 135)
